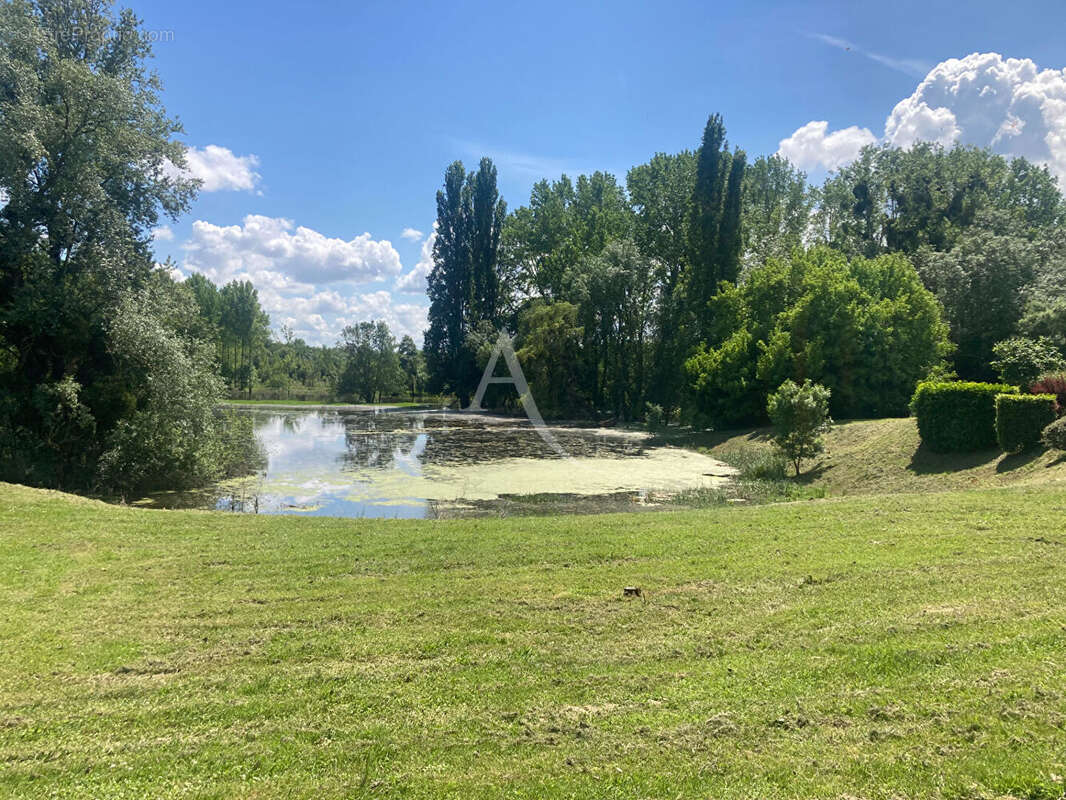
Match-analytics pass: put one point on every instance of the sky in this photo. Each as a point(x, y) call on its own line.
point(321, 131)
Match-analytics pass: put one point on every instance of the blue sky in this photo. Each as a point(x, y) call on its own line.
point(329, 121)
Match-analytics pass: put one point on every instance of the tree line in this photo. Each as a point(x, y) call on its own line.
point(705, 281)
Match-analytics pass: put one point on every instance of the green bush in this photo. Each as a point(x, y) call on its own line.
point(1055, 434)
point(1021, 418)
point(800, 415)
point(957, 417)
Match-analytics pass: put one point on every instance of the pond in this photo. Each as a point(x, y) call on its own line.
point(419, 463)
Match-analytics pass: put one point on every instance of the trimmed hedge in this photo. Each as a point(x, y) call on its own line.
point(1055, 434)
point(957, 417)
point(1021, 418)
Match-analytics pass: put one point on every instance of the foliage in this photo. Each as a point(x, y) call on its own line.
point(777, 207)
point(549, 342)
point(959, 416)
point(927, 197)
point(714, 239)
point(1020, 361)
point(372, 367)
point(463, 286)
point(800, 415)
point(866, 329)
point(1054, 435)
point(1052, 383)
point(1021, 418)
point(616, 299)
point(175, 437)
point(86, 150)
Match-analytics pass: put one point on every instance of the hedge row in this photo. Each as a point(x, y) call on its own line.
point(1021, 419)
point(957, 417)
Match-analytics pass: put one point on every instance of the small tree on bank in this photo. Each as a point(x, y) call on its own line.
point(800, 415)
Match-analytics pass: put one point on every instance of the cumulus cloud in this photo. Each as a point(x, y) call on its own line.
point(219, 169)
point(412, 233)
point(305, 279)
point(163, 234)
point(281, 251)
point(812, 147)
point(984, 99)
point(414, 282)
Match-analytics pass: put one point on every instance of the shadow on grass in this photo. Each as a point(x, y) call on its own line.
point(926, 462)
point(1016, 460)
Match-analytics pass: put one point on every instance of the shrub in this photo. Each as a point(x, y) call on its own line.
point(801, 415)
point(957, 417)
point(1052, 383)
point(1055, 434)
point(1019, 361)
point(1021, 418)
point(654, 416)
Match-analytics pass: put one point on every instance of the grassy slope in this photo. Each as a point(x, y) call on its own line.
point(885, 456)
point(890, 646)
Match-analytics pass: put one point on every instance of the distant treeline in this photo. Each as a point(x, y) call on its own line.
point(705, 281)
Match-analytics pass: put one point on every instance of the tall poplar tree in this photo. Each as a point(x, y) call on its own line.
point(464, 285)
point(488, 212)
point(714, 222)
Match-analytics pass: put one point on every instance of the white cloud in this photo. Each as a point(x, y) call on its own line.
point(984, 99)
point(414, 282)
point(305, 279)
point(280, 251)
point(811, 147)
point(412, 233)
point(219, 169)
point(163, 234)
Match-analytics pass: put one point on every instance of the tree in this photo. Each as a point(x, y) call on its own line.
point(982, 284)
point(372, 366)
point(714, 222)
point(801, 416)
point(464, 284)
point(412, 365)
point(89, 160)
point(549, 339)
point(661, 193)
point(867, 329)
point(777, 210)
point(487, 213)
point(1020, 361)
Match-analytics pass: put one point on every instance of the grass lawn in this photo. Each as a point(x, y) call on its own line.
point(911, 645)
point(886, 455)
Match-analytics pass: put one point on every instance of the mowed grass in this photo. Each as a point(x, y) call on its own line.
point(879, 646)
point(887, 455)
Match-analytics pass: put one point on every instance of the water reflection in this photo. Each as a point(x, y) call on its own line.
point(405, 464)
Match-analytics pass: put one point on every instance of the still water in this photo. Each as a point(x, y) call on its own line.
point(392, 463)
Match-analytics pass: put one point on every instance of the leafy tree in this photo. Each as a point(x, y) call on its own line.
point(801, 416)
point(867, 329)
point(487, 213)
point(981, 283)
point(563, 224)
point(462, 292)
point(661, 193)
point(714, 222)
point(549, 339)
point(1020, 361)
point(615, 292)
point(86, 150)
point(412, 365)
point(372, 368)
point(777, 210)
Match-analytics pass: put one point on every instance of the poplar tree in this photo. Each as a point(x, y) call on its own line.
point(714, 223)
